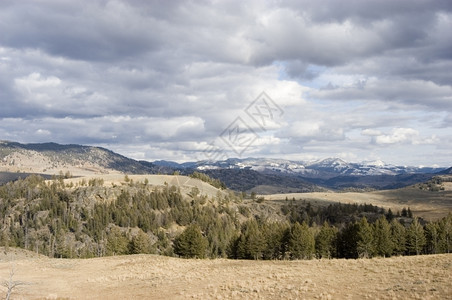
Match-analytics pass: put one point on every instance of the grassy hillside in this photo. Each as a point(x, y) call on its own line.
point(121, 214)
point(51, 158)
point(431, 200)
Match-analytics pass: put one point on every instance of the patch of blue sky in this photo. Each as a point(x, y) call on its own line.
point(311, 70)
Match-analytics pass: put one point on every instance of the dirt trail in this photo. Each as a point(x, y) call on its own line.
point(158, 277)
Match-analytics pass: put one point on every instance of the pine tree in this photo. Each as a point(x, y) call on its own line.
point(432, 238)
point(301, 242)
point(325, 241)
point(409, 213)
point(190, 243)
point(365, 244)
point(117, 242)
point(398, 237)
point(415, 238)
point(5, 240)
point(445, 234)
point(141, 243)
point(274, 236)
point(404, 212)
point(389, 215)
point(62, 250)
point(255, 243)
point(241, 247)
point(347, 241)
point(382, 238)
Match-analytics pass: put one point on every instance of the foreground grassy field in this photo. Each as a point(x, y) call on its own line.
point(158, 277)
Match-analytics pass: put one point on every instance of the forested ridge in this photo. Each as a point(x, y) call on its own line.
point(89, 219)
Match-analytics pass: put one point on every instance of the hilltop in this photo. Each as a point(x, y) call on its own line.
point(52, 158)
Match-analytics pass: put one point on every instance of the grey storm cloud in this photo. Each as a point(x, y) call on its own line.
point(163, 79)
point(98, 30)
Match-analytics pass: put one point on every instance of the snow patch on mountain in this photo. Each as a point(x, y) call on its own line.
point(330, 166)
point(324, 167)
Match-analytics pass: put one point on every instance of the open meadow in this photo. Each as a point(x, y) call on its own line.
point(425, 204)
point(159, 277)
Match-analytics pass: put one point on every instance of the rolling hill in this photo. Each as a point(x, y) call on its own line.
point(258, 175)
point(51, 158)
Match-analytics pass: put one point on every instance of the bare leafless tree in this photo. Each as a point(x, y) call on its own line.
point(11, 284)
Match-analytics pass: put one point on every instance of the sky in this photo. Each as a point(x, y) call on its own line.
point(193, 80)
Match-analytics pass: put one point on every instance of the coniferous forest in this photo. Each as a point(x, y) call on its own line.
point(89, 219)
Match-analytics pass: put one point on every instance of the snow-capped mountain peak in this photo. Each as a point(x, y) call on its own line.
point(376, 163)
point(324, 167)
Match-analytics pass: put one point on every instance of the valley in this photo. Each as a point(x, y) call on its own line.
point(77, 222)
point(225, 150)
point(425, 204)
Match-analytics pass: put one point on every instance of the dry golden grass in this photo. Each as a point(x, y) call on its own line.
point(425, 204)
point(157, 277)
point(184, 183)
point(34, 162)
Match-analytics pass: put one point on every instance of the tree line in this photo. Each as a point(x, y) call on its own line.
point(258, 240)
point(90, 219)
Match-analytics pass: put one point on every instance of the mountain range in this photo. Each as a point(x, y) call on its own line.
point(266, 175)
point(329, 167)
point(262, 175)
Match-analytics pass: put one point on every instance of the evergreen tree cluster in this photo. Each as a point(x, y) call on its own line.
point(359, 239)
point(60, 220)
point(88, 220)
point(206, 178)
